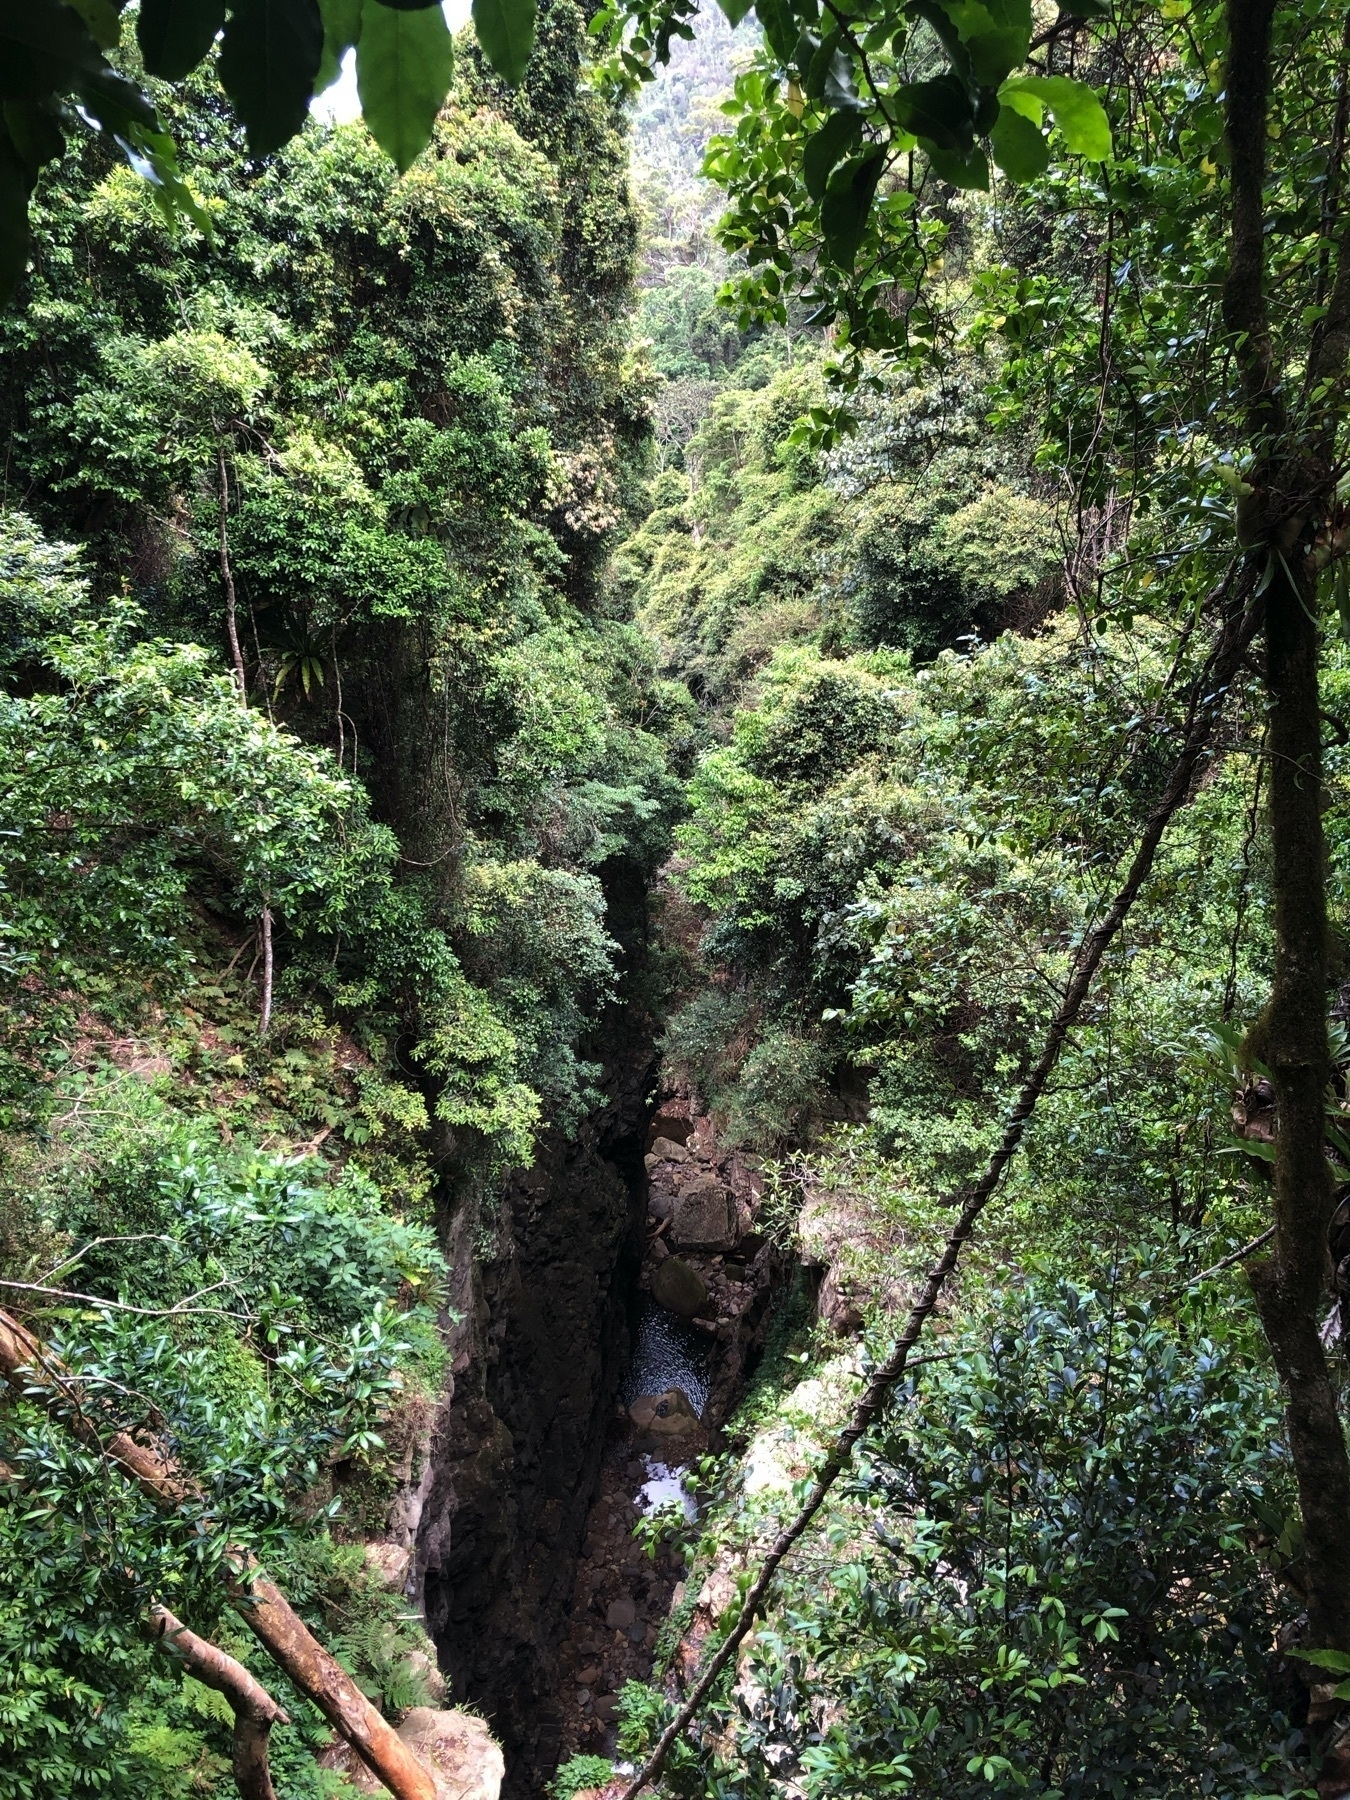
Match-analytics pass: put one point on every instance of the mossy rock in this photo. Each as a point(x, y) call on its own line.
point(679, 1288)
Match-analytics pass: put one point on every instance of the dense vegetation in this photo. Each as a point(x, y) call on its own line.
point(319, 750)
point(398, 574)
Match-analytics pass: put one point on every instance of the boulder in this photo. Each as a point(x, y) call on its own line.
point(389, 1563)
point(679, 1288)
point(703, 1218)
point(667, 1150)
point(458, 1750)
point(664, 1415)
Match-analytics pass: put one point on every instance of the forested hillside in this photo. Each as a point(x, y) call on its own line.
point(674, 871)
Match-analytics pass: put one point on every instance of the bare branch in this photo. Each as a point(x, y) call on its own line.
point(255, 1711)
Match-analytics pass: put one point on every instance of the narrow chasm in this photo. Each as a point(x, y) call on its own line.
point(544, 1304)
point(700, 1309)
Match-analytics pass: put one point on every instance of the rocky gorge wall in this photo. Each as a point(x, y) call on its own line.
point(544, 1283)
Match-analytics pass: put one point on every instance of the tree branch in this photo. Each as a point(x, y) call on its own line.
point(255, 1711)
point(40, 1377)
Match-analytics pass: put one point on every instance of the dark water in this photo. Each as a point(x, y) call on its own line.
point(669, 1353)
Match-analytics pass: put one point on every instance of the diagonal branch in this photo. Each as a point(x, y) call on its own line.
point(1206, 701)
point(255, 1711)
point(33, 1372)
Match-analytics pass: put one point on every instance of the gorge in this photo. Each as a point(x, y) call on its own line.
point(672, 712)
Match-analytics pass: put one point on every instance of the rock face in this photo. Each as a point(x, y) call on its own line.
point(544, 1278)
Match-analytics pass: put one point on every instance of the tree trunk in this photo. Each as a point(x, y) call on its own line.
point(255, 1711)
point(227, 575)
point(1291, 479)
point(1289, 1285)
point(30, 1371)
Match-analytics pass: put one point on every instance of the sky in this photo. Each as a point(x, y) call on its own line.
point(340, 102)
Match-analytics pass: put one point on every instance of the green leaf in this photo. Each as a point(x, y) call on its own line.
point(779, 27)
point(404, 63)
point(938, 111)
point(735, 10)
point(341, 29)
point(826, 148)
point(843, 215)
point(506, 32)
point(1074, 106)
point(34, 127)
point(269, 58)
point(103, 19)
point(174, 35)
point(962, 168)
point(61, 38)
point(1337, 1661)
point(1020, 149)
point(995, 34)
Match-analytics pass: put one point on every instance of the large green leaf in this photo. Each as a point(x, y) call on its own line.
point(506, 31)
point(61, 39)
point(780, 27)
point(735, 10)
point(341, 29)
point(174, 35)
point(965, 168)
point(1019, 147)
point(269, 58)
point(1075, 108)
point(103, 19)
point(34, 127)
point(827, 147)
point(843, 213)
point(995, 34)
point(404, 63)
point(938, 111)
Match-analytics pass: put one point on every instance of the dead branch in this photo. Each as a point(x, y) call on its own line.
point(255, 1711)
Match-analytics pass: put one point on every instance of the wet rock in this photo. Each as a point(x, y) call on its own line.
point(680, 1289)
point(621, 1614)
point(703, 1218)
point(669, 1424)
